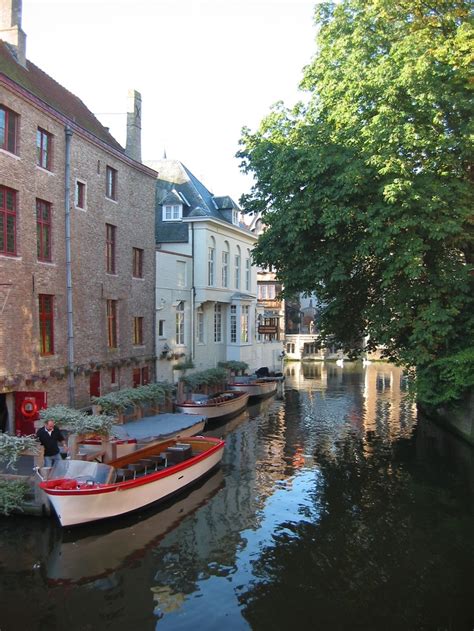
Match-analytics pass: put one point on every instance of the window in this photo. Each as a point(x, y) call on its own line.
point(244, 324)
point(111, 183)
point(233, 324)
point(136, 377)
point(8, 129)
point(110, 242)
point(80, 195)
point(43, 230)
point(7, 221)
point(217, 323)
point(137, 263)
point(235, 217)
point(237, 271)
point(180, 323)
point(225, 268)
point(211, 266)
point(112, 323)
point(113, 377)
point(172, 212)
point(266, 292)
point(138, 331)
point(45, 304)
point(247, 274)
point(181, 273)
point(145, 376)
point(44, 149)
point(161, 328)
point(200, 326)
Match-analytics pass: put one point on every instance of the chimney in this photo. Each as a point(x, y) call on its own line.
point(134, 126)
point(10, 28)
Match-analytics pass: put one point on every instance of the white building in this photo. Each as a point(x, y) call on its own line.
point(206, 304)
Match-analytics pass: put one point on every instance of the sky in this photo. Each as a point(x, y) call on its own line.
point(204, 68)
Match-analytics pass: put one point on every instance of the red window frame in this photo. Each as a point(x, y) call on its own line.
point(46, 323)
point(138, 331)
point(136, 377)
point(111, 183)
point(43, 230)
point(8, 129)
point(44, 149)
point(112, 323)
point(110, 243)
point(8, 219)
point(80, 194)
point(145, 376)
point(137, 263)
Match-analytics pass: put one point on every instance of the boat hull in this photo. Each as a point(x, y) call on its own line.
point(256, 389)
point(85, 505)
point(218, 410)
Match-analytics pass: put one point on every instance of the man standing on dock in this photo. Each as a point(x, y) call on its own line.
point(50, 437)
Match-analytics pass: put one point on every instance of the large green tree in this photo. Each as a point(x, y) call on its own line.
point(366, 187)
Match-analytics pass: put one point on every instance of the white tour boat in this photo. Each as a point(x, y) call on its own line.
point(82, 492)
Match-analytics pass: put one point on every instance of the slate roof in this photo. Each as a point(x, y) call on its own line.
point(174, 181)
point(39, 84)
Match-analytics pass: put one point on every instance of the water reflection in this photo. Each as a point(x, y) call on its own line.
point(329, 507)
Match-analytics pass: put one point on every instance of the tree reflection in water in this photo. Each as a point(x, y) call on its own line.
point(371, 559)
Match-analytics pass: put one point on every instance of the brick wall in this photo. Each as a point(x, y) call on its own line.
point(24, 278)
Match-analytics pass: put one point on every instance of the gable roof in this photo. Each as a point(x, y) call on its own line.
point(175, 179)
point(42, 86)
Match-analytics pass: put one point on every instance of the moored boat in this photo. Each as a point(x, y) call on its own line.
point(128, 436)
point(256, 388)
point(82, 492)
point(221, 405)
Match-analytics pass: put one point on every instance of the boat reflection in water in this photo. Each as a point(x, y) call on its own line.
point(99, 550)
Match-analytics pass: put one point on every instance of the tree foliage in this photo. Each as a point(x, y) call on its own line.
point(366, 189)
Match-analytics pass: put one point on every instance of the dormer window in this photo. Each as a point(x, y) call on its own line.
point(172, 212)
point(235, 217)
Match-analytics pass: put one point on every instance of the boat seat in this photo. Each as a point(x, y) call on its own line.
point(149, 464)
point(124, 474)
point(137, 467)
point(159, 461)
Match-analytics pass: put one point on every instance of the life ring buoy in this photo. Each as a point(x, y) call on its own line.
point(29, 408)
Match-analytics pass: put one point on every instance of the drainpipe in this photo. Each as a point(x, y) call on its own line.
point(193, 292)
point(67, 222)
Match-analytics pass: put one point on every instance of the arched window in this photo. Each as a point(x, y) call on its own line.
point(247, 272)
point(225, 265)
point(238, 264)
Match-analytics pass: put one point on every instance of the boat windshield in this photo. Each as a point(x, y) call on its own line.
point(79, 469)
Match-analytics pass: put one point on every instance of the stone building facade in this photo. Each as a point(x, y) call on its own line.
point(77, 263)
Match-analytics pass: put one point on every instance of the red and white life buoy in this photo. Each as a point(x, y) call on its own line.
point(29, 408)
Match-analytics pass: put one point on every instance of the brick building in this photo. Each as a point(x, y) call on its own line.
point(77, 268)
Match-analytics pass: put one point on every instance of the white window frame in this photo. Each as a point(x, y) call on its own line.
point(225, 268)
point(233, 324)
point(211, 266)
point(237, 271)
point(217, 323)
point(172, 212)
point(180, 324)
point(247, 275)
point(244, 324)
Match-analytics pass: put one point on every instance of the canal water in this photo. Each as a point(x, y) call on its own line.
point(335, 508)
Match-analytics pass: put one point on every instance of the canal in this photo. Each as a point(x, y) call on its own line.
point(335, 508)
